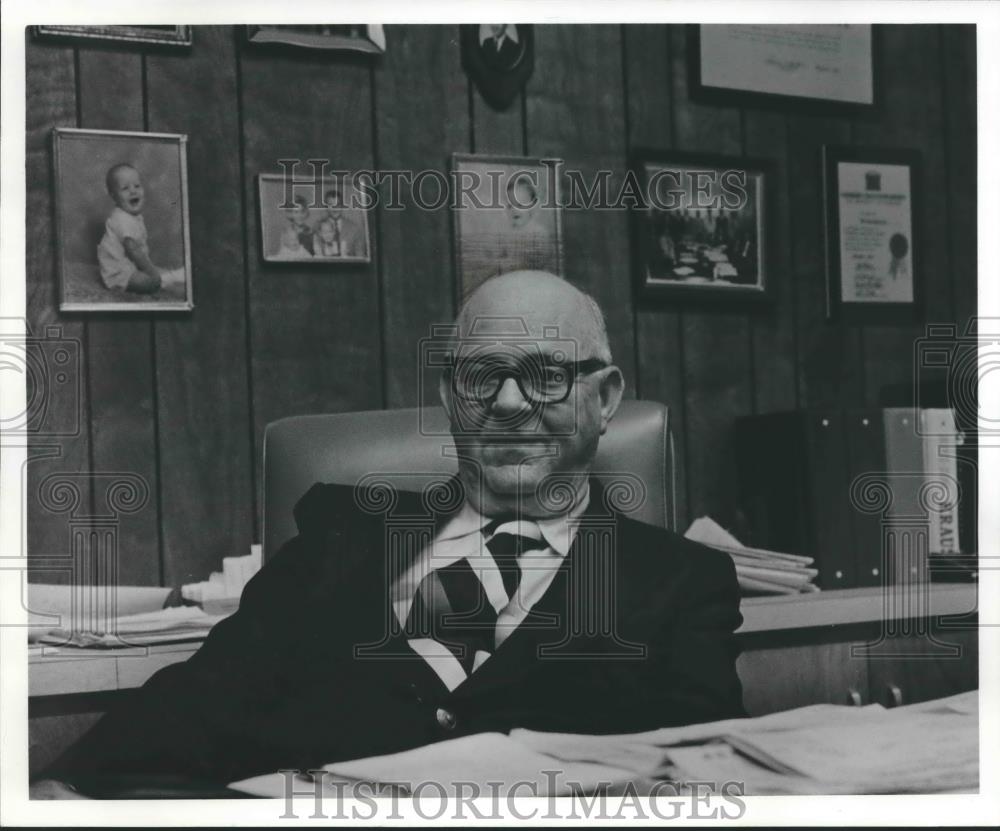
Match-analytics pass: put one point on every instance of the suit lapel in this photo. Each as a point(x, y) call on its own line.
point(548, 625)
point(384, 545)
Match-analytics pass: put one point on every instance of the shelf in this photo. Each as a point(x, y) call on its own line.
point(846, 606)
point(69, 670)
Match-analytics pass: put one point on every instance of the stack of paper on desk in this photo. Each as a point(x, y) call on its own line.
point(179, 623)
point(758, 570)
point(221, 591)
point(53, 607)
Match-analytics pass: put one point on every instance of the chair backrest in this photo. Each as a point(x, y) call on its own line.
point(343, 448)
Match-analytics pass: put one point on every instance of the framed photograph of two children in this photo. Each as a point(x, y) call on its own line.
point(123, 241)
point(321, 222)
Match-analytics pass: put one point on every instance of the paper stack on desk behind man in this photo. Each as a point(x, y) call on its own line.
point(221, 592)
point(758, 570)
point(178, 623)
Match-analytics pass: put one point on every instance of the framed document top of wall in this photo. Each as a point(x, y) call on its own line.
point(829, 64)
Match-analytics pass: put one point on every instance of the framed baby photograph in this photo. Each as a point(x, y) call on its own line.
point(317, 221)
point(507, 217)
point(122, 235)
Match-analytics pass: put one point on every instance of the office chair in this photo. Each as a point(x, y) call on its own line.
point(408, 446)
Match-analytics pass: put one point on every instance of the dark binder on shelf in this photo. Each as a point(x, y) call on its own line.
point(795, 490)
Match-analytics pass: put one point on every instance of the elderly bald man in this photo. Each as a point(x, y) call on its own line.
point(536, 604)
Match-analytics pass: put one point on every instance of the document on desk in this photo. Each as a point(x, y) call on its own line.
point(916, 752)
point(923, 748)
point(572, 746)
point(492, 761)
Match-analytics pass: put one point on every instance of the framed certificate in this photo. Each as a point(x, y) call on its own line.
point(873, 255)
point(824, 67)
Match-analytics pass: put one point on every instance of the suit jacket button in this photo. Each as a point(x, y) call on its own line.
point(446, 718)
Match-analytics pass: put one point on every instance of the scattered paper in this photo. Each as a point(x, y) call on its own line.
point(492, 761)
point(966, 703)
point(820, 749)
point(562, 744)
point(916, 752)
point(618, 751)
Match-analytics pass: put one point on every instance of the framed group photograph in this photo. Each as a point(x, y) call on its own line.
point(312, 222)
point(341, 37)
point(122, 235)
point(813, 67)
point(508, 218)
point(873, 257)
point(702, 232)
point(153, 35)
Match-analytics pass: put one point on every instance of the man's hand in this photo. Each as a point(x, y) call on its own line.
point(51, 789)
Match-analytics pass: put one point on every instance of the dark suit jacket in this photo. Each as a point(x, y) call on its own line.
point(309, 670)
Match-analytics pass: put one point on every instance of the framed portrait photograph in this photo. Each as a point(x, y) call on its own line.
point(822, 67)
point(312, 222)
point(873, 257)
point(155, 35)
point(122, 235)
point(342, 37)
point(702, 230)
point(507, 217)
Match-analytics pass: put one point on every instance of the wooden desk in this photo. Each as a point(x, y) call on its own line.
point(842, 647)
point(797, 651)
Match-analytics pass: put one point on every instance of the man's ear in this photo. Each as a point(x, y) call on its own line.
point(612, 388)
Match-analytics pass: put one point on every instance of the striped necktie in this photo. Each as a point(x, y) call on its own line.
point(451, 604)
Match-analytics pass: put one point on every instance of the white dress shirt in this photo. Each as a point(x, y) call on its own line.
point(462, 538)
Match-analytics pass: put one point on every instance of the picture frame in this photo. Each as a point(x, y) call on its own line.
point(702, 231)
point(808, 68)
point(871, 199)
point(123, 240)
point(508, 217)
point(311, 222)
point(180, 36)
point(499, 58)
point(368, 39)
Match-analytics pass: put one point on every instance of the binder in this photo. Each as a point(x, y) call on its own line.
point(940, 448)
point(795, 490)
point(906, 556)
point(866, 455)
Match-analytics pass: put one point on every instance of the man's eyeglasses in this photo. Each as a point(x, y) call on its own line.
point(480, 379)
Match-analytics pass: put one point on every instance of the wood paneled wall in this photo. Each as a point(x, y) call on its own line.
point(182, 401)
